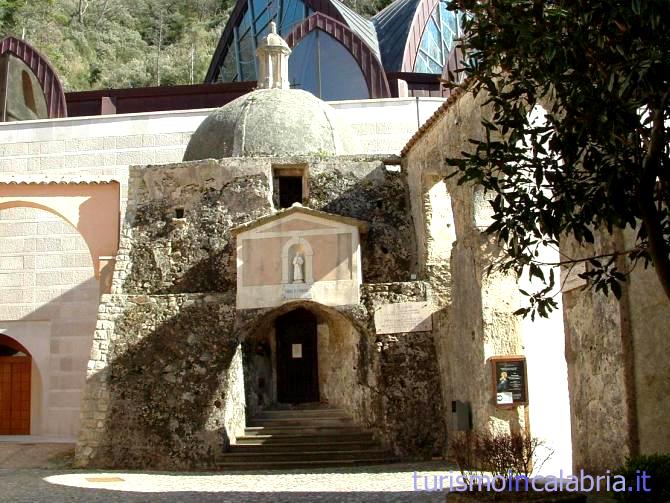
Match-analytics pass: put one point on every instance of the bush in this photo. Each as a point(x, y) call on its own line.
point(657, 467)
point(497, 453)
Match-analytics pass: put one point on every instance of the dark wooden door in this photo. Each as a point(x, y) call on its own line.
point(297, 365)
point(15, 395)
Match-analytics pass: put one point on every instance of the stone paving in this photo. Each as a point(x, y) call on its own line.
point(41, 471)
point(384, 483)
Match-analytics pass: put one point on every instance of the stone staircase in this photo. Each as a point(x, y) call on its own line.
point(313, 437)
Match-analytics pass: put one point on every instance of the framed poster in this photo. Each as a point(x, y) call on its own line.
point(510, 386)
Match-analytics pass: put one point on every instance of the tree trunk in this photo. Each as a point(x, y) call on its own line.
point(651, 217)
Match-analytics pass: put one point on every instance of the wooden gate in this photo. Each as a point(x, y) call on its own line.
point(15, 395)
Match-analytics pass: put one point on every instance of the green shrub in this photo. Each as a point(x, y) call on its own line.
point(657, 467)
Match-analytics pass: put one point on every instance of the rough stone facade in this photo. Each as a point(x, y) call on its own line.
point(176, 370)
point(619, 377)
point(164, 382)
point(615, 350)
point(475, 320)
point(160, 254)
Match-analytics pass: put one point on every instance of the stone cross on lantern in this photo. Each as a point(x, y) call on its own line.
point(273, 53)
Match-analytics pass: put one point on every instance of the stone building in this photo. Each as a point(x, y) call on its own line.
point(253, 279)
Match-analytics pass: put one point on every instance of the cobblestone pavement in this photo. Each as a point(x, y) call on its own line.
point(384, 483)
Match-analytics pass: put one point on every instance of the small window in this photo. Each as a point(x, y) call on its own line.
point(290, 190)
point(289, 184)
point(179, 213)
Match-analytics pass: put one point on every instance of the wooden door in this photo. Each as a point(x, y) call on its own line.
point(297, 364)
point(15, 395)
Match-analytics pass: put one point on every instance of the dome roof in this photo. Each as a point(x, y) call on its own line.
point(271, 122)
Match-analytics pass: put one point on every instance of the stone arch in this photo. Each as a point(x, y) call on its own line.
point(91, 208)
point(48, 302)
point(341, 344)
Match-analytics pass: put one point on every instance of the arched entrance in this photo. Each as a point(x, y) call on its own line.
point(297, 357)
point(304, 352)
point(15, 371)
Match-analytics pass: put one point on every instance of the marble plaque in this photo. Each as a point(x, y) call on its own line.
point(404, 317)
point(297, 291)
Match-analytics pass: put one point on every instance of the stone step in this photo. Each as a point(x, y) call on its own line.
point(305, 456)
point(302, 421)
point(286, 465)
point(316, 445)
point(281, 413)
point(354, 436)
point(301, 430)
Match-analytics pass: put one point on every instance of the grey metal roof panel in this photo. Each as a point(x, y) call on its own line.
point(364, 28)
point(392, 25)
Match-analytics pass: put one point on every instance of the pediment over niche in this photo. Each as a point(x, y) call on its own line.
point(302, 214)
point(298, 253)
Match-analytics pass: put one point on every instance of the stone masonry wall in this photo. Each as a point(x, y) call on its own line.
point(162, 254)
point(164, 386)
point(407, 394)
point(372, 193)
point(171, 357)
point(390, 383)
point(474, 320)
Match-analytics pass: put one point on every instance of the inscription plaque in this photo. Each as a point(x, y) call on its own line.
point(404, 317)
point(297, 291)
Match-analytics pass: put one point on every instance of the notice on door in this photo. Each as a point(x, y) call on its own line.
point(296, 350)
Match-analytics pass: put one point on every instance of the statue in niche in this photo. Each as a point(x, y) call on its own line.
point(298, 262)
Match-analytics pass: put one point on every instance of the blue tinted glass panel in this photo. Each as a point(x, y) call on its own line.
point(424, 64)
point(228, 72)
point(247, 58)
point(438, 39)
point(341, 77)
point(449, 25)
point(431, 42)
point(286, 13)
point(302, 65)
point(245, 23)
point(291, 13)
point(321, 65)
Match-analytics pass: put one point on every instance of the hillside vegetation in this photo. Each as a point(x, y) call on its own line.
point(96, 44)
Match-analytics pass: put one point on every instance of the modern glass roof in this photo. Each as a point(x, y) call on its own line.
point(407, 36)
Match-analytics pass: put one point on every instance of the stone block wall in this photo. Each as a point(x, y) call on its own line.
point(48, 302)
point(617, 358)
point(370, 192)
point(169, 374)
point(475, 318)
point(389, 383)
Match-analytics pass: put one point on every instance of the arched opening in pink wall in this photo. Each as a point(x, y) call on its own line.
point(91, 208)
